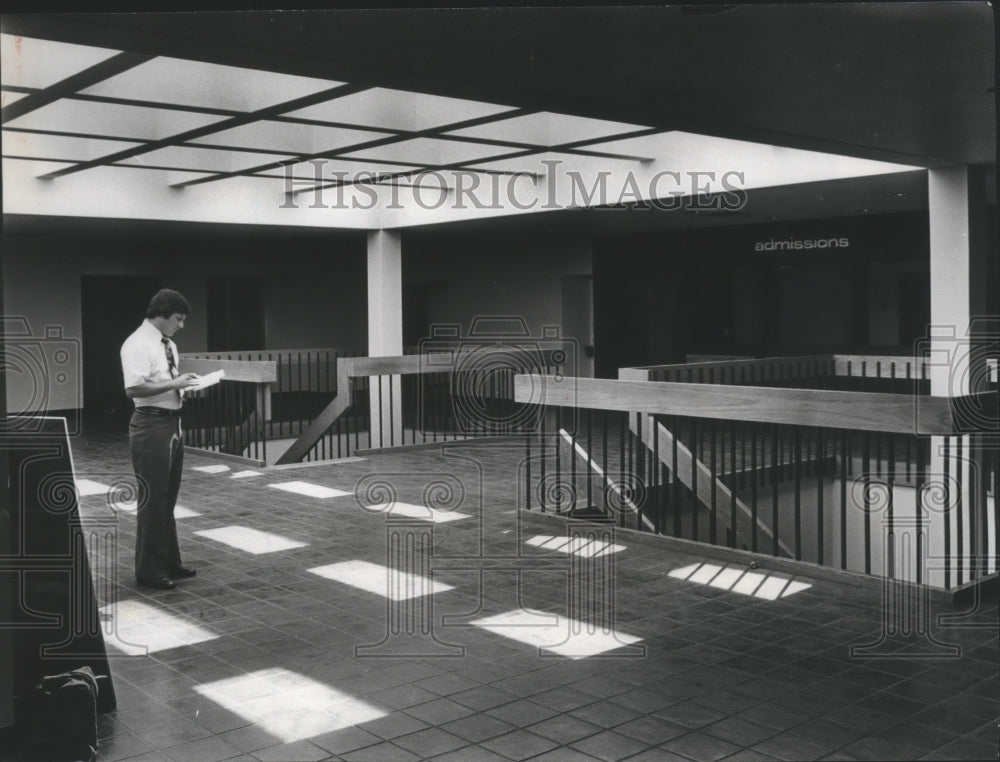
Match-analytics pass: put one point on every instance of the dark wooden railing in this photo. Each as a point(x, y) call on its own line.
point(880, 483)
point(870, 373)
point(231, 417)
point(421, 398)
point(305, 383)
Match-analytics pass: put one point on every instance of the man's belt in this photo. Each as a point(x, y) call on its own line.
point(160, 411)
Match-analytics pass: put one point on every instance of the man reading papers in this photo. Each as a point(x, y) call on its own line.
point(156, 440)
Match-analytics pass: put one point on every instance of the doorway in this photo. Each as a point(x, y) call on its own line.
point(235, 314)
point(112, 306)
point(578, 320)
point(424, 304)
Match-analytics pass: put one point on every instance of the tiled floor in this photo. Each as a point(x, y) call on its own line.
point(275, 652)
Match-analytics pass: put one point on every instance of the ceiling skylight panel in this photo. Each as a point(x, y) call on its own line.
point(541, 163)
point(111, 120)
point(398, 110)
point(29, 62)
point(288, 137)
point(547, 129)
point(193, 83)
point(340, 170)
point(59, 147)
point(185, 157)
point(6, 98)
point(430, 151)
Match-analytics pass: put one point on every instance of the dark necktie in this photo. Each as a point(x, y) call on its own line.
point(171, 362)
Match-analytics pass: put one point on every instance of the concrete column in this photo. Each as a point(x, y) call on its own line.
point(958, 269)
point(959, 278)
point(7, 591)
point(385, 333)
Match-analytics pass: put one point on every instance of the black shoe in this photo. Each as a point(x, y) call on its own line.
point(160, 583)
point(183, 572)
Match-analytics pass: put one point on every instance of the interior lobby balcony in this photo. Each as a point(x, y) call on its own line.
point(405, 605)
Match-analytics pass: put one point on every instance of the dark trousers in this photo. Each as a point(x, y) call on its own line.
point(157, 449)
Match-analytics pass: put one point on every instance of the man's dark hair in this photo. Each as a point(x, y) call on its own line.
point(167, 302)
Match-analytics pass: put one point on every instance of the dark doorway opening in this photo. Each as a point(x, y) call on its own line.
point(914, 306)
point(112, 306)
point(235, 314)
point(423, 303)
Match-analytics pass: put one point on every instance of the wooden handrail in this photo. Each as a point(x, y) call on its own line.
point(853, 365)
point(634, 373)
point(445, 361)
point(261, 354)
point(861, 411)
point(249, 371)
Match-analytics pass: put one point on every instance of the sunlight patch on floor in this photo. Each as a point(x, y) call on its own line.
point(288, 705)
point(558, 634)
point(766, 585)
point(251, 540)
point(134, 627)
point(386, 581)
point(579, 546)
point(309, 490)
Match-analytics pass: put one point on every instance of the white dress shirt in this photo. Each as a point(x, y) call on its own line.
point(144, 360)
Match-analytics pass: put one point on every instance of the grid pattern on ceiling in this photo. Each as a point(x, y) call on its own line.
point(81, 107)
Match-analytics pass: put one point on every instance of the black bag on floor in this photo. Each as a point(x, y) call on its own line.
point(66, 727)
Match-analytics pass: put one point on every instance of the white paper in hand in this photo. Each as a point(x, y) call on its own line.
point(209, 379)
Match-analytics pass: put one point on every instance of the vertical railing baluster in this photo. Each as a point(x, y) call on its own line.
point(960, 560)
point(947, 511)
point(590, 459)
point(775, 528)
point(866, 475)
point(573, 456)
point(918, 509)
point(351, 412)
point(527, 469)
point(658, 473)
point(558, 440)
point(541, 465)
point(625, 434)
point(797, 475)
point(820, 487)
point(392, 412)
point(732, 485)
point(604, 447)
point(753, 485)
point(981, 488)
point(712, 510)
point(845, 456)
point(675, 482)
point(890, 550)
point(693, 423)
point(743, 454)
point(987, 472)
